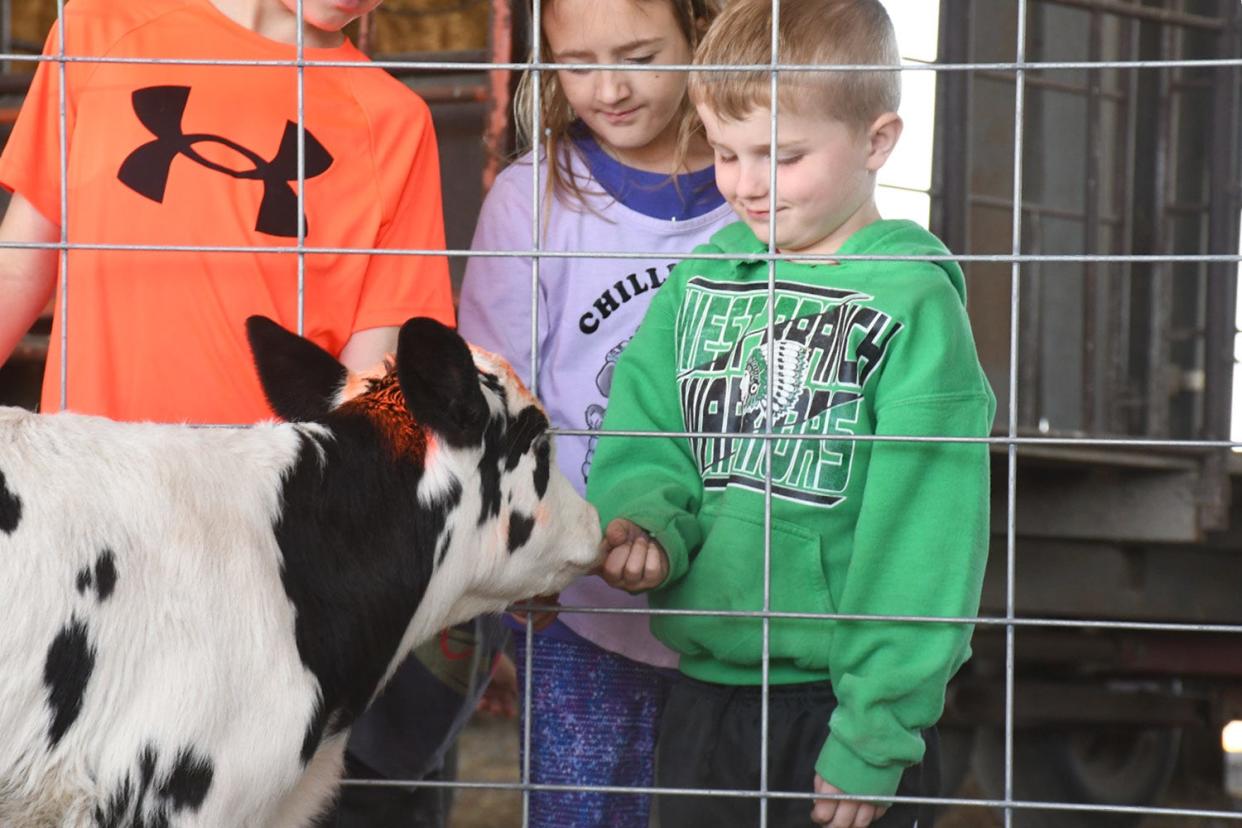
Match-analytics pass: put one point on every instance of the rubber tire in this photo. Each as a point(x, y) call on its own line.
point(1097, 766)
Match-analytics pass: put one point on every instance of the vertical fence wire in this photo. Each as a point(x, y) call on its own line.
point(538, 146)
point(63, 254)
point(1011, 488)
point(299, 20)
point(769, 394)
point(6, 35)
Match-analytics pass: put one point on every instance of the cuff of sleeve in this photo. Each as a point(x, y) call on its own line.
point(14, 183)
point(842, 767)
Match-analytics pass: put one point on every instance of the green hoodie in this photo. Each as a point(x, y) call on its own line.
point(858, 527)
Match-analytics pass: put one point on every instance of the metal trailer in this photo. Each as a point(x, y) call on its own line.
point(1127, 531)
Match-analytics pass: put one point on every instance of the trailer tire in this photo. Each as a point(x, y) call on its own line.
point(1096, 766)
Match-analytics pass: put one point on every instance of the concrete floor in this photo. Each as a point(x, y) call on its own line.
point(487, 751)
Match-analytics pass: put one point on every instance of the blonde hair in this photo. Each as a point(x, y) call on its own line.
point(556, 115)
point(811, 32)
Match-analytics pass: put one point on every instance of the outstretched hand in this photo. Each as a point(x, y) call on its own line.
point(634, 560)
point(842, 813)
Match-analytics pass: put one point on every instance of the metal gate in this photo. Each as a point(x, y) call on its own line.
point(1087, 169)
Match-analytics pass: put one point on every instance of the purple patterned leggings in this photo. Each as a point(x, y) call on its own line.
point(595, 716)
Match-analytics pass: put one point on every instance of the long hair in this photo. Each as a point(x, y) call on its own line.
point(556, 115)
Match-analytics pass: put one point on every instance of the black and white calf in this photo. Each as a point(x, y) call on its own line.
point(192, 618)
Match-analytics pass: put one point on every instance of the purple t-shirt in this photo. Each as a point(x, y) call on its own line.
point(589, 307)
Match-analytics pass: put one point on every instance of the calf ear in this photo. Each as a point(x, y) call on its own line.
point(300, 380)
point(440, 382)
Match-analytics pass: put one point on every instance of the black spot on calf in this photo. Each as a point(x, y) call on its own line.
point(543, 468)
point(520, 527)
point(445, 543)
point(189, 781)
point(528, 426)
point(103, 578)
point(67, 671)
point(105, 575)
point(144, 816)
point(353, 601)
point(10, 508)
point(493, 382)
point(489, 469)
point(117, 807)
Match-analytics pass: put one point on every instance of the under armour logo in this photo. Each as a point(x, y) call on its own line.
point(145, 171)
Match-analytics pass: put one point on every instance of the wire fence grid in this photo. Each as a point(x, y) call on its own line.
point(1010, 438)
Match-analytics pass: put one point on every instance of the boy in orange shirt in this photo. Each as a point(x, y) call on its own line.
point(187, 154)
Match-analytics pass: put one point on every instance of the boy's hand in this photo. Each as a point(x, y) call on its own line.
point(842, 813)
point(634, 561)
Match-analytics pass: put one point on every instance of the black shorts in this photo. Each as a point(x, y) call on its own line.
point(709, 739)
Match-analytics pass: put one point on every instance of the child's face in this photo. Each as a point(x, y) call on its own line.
point(632, 114)
point(825, 176)
point(331, 15)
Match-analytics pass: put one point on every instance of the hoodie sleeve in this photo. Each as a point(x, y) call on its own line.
point(919, 549)
point(652, 481)
point(494, 309)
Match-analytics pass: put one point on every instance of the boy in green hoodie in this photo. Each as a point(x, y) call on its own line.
point(858, 527)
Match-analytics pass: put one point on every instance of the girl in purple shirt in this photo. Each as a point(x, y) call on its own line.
point(623, 181)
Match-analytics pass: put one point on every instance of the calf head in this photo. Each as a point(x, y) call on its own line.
point(508, 525)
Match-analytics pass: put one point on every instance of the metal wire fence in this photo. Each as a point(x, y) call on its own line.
point(1008, 434)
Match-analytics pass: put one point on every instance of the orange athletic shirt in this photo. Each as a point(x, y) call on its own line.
point(207, 155)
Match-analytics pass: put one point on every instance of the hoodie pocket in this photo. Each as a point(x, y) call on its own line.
point(728, 574)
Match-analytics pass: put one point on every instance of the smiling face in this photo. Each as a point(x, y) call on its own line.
point(825, 174)
point(633, 115)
